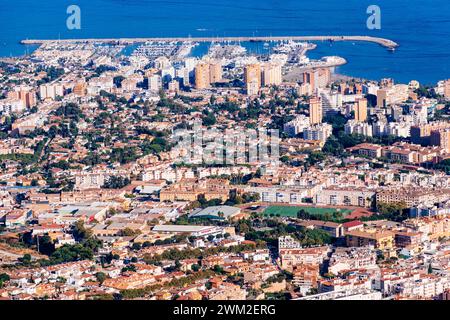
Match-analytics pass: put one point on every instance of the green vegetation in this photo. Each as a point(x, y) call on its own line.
point(127, 232)
point(68, 253)
point(124, 155)
point(444, 166)
point(442, 114)
point(3, 278)
point(278, 296)
point(53, 73)
point(101, 277)
point(175, 283)
point(274, 230)
point(336, 144)
point(26, 260)
point(70, 110)
point(26, 159)
point(116, 182)
point(174, 254)
point(103, 68)
point(427, 92)
point(334, 216)
point(291, 211)
point(155, 146)
point(85, 249)
point(390, 211)
point(280, 277)
point(209, 119)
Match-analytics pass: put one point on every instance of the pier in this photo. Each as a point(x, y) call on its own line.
point(126, 41)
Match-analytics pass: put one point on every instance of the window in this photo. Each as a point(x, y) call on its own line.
point(361, 202)
point(333, 199)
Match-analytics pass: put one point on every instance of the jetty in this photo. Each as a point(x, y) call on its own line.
point(389, 44)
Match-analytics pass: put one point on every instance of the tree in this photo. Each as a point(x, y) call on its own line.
point(80, 233)
point(315, 237)
point(315, 157)
point(3, 278)
point(26, 259)
point(70, 110)
point(218, 269)
point(127, 232)
point(69, 253)
point(393, 211)
point(303, 214)
point(195, 267)
point(129, 268)
point(146, 244)
point(116, 182)
point(118, 81)
point(209, 120)
point(101, 277)
point(136, 246)
point(250, 197)
point(243, 226)
point(123, 155)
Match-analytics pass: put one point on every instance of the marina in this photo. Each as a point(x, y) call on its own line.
point(389, 44)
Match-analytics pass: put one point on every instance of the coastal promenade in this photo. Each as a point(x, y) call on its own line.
point(381, 41)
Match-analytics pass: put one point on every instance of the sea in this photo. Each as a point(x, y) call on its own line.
point(420, 27)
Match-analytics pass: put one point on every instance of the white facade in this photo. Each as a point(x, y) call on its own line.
point(319, 132)
point(362, 128)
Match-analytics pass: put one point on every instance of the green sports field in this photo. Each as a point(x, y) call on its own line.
point(287, 211)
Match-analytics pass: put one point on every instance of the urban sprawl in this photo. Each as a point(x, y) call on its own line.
point(100, 201)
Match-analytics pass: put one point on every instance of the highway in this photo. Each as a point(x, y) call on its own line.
point(381, 41)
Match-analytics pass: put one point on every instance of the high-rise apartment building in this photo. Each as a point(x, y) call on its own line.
point(155, 82)
point(382, 98)
point(315, 110)
point(202, 76)
point(207, 73)
point(318, 78)
point(441, 137)
point(215, 72)
point(271, 74)
point(24, 94)
point(51, 91)
point(361, 110)
point(252, 74)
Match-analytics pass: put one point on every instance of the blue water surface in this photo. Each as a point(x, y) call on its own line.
point(422, 28)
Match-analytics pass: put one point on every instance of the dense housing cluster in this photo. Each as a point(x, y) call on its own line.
point(99, 201)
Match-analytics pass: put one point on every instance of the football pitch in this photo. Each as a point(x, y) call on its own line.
point(289, 211)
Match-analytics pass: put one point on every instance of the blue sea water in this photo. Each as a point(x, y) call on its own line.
point(422, 28)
